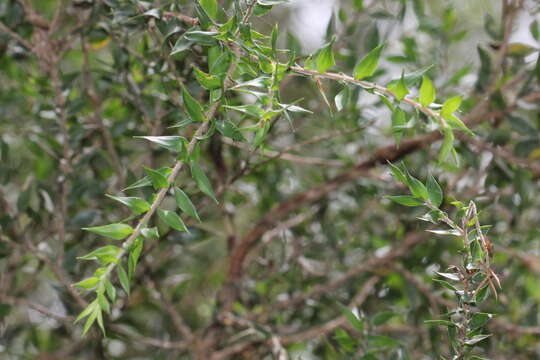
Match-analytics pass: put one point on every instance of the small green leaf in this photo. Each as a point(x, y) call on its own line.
point(399, 88)
point(457, 124)
point(434, 191)
point(150, 233)
point(185, 204)
point(172, 143)
point(202, 181)
point(172, 219)
point(206, 80)
point(417, 188)
point(88, 283)
point(439, 322)
point(113, 231)
point(446, 284)
point(406, 200)
point(87, 311)
point(397, 173)
point(111, 290)
point(193, 108)
point(210, 6)
point(158, 180)
point(450, 106)
point(134, 253)
point(123, 277)
point(447, 145)
point(135, 204)
point(399, 119)
point(476, 339)
point(91, 318)
point(228, 129)
point(479, 319)
point(381, 341)
point(356, 322)
point(382, 318)
point(106, 254)
point(427, 92)
point(325, 58)
point(368, 65)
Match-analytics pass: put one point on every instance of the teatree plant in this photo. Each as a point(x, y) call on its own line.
point(185, 179)
point(241, 60)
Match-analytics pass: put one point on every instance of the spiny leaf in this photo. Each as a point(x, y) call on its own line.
point(368, 65)
point(113, 231)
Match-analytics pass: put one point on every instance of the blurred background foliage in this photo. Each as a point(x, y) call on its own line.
point(80, 79)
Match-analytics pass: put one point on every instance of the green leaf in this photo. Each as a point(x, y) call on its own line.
point(210, 6)
point(165, 171)
point(450, 106)
point(228, 129)
point(113, 231)
point(206, 80)
point(447, 145)
point(368, 65)
point(446, 284)
point(399, 88)
point(91, 318)
point(106, 254)
point(382, 341)
point(434, 191)
point(123, 277)
point(172, 143)
point(172, 219)
point(150, 233)
point(417, 188)
point(356, 322)
point(479, 319)
point(158, 180)
point(406, 200)
point(111, 290)
point(202, 181)
point(397, 173)
point(457, 124)
point(427, 92)
point(88, 283)
point(382, 318)
point(439, 322)
point(185, 204)
point(134, 253)
point(193, 108)
point(87, 311)
point(399, 119)
point(325, 58)
point(135, 204)
point(476, 339)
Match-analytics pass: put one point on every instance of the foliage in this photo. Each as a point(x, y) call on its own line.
point(180, 179)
